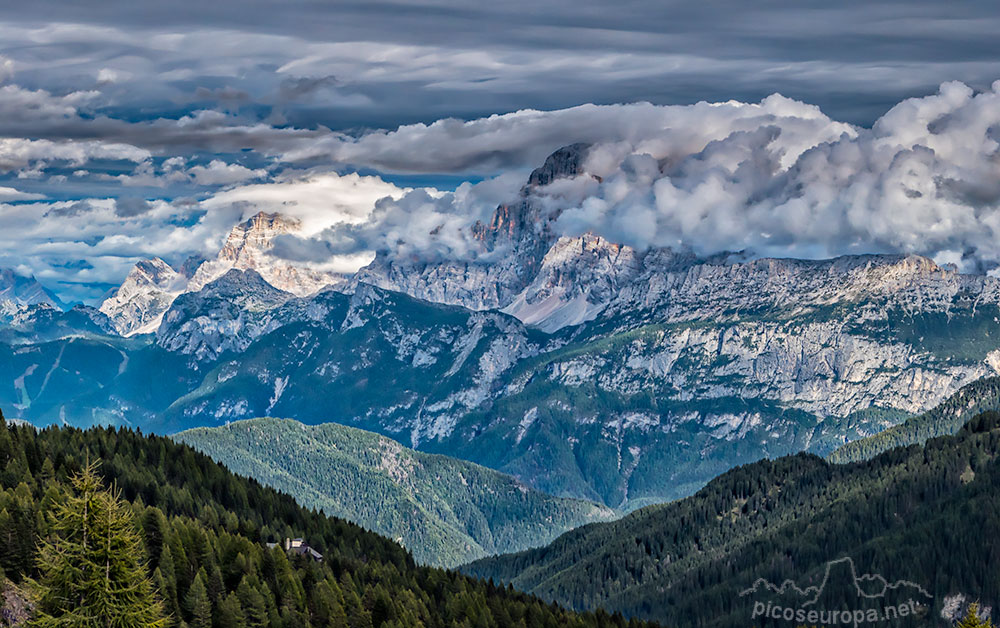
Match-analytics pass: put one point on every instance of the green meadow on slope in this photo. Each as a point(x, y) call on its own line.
point(446, 511)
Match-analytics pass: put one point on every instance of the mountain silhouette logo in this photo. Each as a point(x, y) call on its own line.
point(867, 586)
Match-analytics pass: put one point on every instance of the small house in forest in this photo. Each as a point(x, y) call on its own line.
point(300, 547)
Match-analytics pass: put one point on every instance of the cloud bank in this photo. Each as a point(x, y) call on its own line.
point(778, 178)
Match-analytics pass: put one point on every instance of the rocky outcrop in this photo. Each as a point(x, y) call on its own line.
point(226, 315)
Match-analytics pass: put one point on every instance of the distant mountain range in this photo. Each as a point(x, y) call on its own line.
point(914, 522)
point(444, 510)
point(138, 305)
point(581, 367)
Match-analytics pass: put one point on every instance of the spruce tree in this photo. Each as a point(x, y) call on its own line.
point(92, 571)
point(230, 613)
point(198, 605)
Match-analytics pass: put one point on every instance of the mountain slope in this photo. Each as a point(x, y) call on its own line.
point(205, 533)
point(944, 419)
point(924, 514)
point(444, 510)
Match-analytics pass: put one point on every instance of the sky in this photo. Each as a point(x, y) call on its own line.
point(130, 129)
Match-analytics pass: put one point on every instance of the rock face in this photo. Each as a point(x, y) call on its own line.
point(225, 315)
point(137, 306)
point(512, 247)
point(576, 279)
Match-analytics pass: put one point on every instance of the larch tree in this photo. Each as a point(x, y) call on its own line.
point(92, 571)
point(973, 620)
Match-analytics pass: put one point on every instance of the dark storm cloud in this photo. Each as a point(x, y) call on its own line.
point(129, 207)
point(400, 62)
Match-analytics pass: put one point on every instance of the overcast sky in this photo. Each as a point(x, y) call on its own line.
point(148, 112)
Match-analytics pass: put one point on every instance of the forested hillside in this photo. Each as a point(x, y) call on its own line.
point(927, 514)
point(203, 537)
point(945, 418)
point(444, 510)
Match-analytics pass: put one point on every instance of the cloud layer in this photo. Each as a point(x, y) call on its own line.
point(127, 132)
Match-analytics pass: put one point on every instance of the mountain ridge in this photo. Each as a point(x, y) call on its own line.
point(642, 374)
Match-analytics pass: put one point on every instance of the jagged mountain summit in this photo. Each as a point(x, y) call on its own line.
point(138, 305)
point(512, 247)
point(18, 290)
point(225, 315)
point(526, 269)
point(247, 248)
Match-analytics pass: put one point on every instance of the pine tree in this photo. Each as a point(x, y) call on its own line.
point(972, 620)
point(92, 572)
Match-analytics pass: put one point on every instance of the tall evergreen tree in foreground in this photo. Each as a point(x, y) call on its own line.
point(92, 571)
point(205, 533)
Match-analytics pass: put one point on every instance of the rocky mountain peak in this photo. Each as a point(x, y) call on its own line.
point(137, 306)
point(255, 235)
point(236, 284)
point(227, 314)
point(565, 162)
point(154, 272)
point(17, 290)
point(520, 221)
point(248, 247)
point(150, 288)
